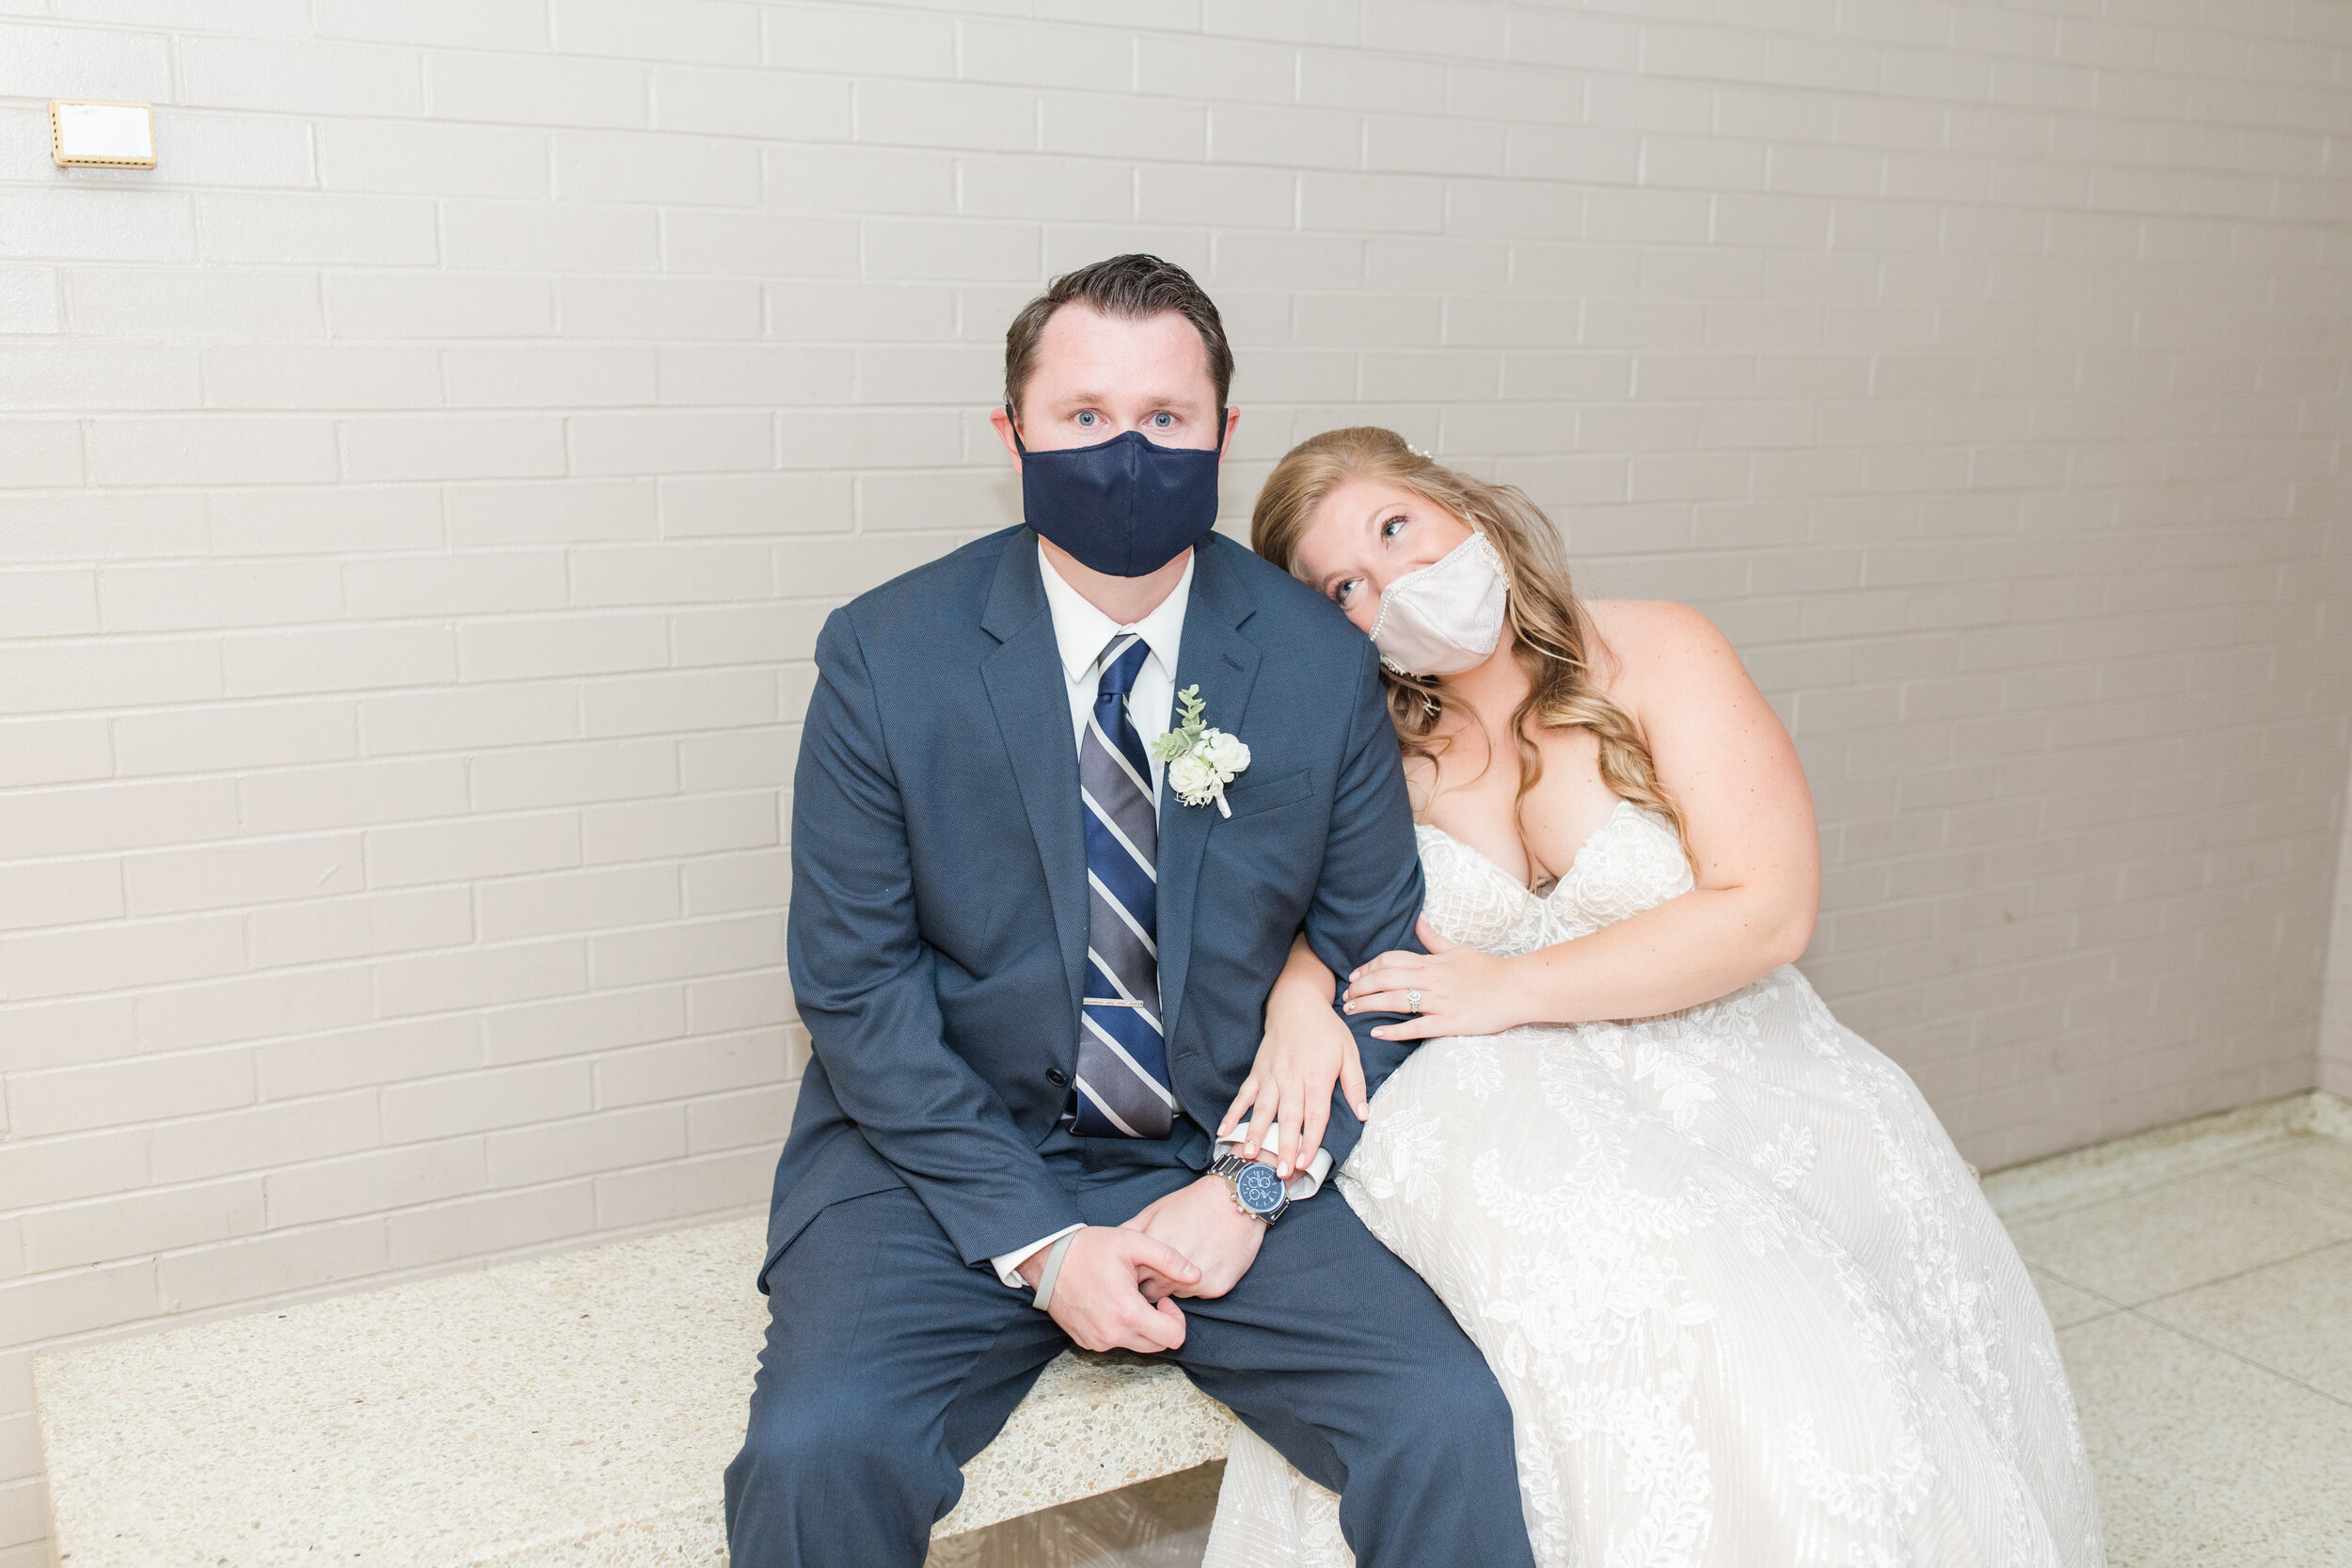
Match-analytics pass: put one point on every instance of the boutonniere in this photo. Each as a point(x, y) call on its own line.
point(1202, 760)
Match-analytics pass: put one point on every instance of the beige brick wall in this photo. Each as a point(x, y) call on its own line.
point(418, 497)
point(2335, 1026)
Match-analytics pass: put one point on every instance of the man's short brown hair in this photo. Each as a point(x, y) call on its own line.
point(1130, 286)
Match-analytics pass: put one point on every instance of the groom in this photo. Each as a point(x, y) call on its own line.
point(1033, 971)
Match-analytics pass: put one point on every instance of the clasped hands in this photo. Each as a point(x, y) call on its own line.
point(1114, 1289)
point(1116, 1284)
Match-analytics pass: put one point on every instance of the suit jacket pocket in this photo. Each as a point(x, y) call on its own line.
point(1256, 794)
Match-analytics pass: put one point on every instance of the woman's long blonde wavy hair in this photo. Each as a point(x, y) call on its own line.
point(1549, 624)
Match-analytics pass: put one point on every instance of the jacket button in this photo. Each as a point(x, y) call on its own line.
point(1057, 1077)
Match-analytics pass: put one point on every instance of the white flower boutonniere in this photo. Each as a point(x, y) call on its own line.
point(1202, 760)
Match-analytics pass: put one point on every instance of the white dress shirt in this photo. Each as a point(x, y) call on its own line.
point(1081, 632)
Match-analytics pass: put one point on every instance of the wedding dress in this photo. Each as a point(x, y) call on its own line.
point(1748, 1304)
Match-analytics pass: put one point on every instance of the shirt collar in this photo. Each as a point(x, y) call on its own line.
point(1081, 631)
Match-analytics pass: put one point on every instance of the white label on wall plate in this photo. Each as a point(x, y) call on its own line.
point(115, 134)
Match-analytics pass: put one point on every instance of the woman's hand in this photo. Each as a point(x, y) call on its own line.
point(1463, 990)
point(1307, 1049)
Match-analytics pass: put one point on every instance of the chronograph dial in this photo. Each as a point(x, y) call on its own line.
point(1258, 1190)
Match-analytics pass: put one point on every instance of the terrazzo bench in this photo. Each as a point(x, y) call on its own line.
point(573, 1409)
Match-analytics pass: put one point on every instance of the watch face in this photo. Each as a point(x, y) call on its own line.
point(1259, 1189)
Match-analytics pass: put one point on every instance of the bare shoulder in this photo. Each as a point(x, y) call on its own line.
point(1649, 642)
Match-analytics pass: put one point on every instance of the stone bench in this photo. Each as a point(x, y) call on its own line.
point(572, 1409)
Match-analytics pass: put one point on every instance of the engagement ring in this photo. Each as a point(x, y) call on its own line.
point(1412, 1000)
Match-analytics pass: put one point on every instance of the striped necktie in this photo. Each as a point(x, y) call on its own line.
point(1122, 1062)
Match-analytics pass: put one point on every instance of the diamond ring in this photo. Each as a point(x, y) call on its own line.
point(1412, 1000)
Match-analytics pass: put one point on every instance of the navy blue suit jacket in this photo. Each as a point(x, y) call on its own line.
point(938, 924)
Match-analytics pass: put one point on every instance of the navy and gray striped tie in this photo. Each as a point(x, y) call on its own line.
point(1122, 1062)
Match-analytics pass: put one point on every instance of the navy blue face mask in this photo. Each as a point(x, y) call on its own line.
point(1124, 507)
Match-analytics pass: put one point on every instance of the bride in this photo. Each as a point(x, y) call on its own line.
point(1747, 1302)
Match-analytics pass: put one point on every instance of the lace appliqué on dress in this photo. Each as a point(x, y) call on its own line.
point(1747, 1303)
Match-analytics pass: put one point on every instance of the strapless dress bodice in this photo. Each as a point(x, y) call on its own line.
point(1633, 861)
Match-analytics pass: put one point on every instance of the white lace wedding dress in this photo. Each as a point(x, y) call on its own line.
point(1748, 1304)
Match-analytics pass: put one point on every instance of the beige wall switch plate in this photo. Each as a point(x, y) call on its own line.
point(101, 135)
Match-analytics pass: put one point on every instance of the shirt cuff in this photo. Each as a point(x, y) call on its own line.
point(1303, 1183)
point(1008, 1264)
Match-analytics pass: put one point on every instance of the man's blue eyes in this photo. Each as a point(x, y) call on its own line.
point(1087, 419)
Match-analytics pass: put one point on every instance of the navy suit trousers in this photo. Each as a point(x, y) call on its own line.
point(889, 1362)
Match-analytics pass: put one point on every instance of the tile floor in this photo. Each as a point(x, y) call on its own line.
point(2205, 1315)
point(2203, 1294)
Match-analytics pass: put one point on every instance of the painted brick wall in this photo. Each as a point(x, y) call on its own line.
point(2335, 1025)
point(419, 496)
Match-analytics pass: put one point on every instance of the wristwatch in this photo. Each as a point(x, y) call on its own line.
point(1257, 1192)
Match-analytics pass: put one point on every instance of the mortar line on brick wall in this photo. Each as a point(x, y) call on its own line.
point(358, 1284)
point(477, 1139)
point(167, 989)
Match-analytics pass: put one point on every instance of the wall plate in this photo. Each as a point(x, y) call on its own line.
point(85, 134)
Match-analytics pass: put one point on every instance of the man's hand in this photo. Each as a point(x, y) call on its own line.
point(1109, 1294)
point(1202, 1222)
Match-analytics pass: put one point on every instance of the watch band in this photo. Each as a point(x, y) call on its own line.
point(1052, 1270)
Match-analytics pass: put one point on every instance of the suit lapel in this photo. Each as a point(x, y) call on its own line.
point(1224, 664)
point(1029, 697)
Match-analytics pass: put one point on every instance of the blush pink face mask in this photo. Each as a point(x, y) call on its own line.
point(1446, 617)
